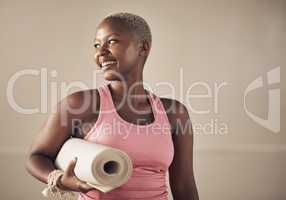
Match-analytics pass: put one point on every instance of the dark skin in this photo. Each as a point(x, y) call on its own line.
point(114, 42)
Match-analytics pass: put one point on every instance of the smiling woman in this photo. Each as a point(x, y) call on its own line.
point(160, 137)
point(120, 41)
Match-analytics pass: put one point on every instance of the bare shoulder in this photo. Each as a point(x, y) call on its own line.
point(83, 99)
point(176, 111)
point(81, 110)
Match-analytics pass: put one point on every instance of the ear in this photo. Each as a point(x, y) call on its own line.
point(144, 48)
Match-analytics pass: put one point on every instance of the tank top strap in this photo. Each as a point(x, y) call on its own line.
point(105, 100)
point(154, 102)
point(159, 109)
point(104, 109)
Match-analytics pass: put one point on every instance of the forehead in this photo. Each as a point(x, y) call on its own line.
point(111, 27)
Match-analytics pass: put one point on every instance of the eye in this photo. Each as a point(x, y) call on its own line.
point(112, 41)
point(96, 45)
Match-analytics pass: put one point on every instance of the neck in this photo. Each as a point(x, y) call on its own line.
point(132, 88)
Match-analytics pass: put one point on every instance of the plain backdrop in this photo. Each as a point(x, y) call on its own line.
point(198, 47)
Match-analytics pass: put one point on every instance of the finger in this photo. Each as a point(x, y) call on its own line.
point(83, 187)
point(71, 166)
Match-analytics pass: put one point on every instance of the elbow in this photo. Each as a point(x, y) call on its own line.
point(28, 164)
point(32, 162)
point(38, 166)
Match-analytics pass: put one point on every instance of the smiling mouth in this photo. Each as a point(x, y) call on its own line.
point(106, 64)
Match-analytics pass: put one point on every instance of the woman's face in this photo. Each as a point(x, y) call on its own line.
point(116, 51)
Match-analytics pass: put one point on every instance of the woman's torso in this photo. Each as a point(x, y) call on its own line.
point(149, 146)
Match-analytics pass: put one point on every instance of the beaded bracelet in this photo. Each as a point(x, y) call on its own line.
point(52, 191)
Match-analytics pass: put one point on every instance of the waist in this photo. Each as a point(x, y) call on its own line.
point(119, 194)
point(141, 185)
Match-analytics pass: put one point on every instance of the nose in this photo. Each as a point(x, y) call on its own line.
point(103, 50)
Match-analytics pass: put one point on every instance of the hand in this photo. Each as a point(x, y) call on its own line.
point(69, 181)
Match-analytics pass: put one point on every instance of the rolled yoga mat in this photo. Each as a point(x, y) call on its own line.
point(103, 167)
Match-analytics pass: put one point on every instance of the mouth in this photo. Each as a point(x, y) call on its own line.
point(106, 64)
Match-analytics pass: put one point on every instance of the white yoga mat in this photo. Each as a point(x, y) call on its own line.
point(103, 167)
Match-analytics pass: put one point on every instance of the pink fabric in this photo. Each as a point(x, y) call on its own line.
point(150, 148)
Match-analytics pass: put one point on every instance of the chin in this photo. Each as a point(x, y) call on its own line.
point(110, 76)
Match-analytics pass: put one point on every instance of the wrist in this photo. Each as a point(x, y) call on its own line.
point(59, 182)
point(54, 178)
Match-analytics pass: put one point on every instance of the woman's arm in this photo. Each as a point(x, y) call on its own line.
point(57, 129)
point(181, 174)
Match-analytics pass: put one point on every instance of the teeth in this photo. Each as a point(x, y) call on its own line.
point(108, 63)
point(104, 68)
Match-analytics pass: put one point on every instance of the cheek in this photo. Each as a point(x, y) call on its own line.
point(131, 55)
point(95, 57)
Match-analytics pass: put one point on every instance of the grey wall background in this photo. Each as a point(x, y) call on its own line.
point(208, 41)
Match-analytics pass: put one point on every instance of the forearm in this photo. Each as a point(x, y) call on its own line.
point(40, 166)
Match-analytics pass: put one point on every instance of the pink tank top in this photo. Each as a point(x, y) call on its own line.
point(149, 146)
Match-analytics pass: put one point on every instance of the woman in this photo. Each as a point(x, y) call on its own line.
point(155, 132)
